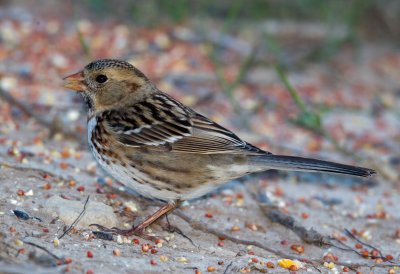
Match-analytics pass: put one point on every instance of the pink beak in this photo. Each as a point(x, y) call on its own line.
point(75, 82)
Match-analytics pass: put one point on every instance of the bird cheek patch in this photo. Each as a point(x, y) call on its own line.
point(110, 96)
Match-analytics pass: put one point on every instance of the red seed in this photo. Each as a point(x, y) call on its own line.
point(12, 229)
point(63, 165)
point(197, 271)
point(159, 241)
point(22, 251)
point(389, 257)
point(72, 183)
point(365, 253)
point(270, 265)
point(135, 241)
point(80, 188)
point(47, 186)
point(153, 251)
point(284, 242)
point(89, 271)
point(254, 260)
point(67, 260)
point(251, 253)
point(45, 230)
point(305, 215)
point(221, 244)
point(89, 254)
point(153, 262)
point(20, 192)
point(374, 253)
point(345, 269)
point(208, 215)
point(220, 262)
point(221, 238)
point(358, 246)
point(298, 248)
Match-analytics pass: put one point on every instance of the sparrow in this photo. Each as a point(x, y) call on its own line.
point(164, 150)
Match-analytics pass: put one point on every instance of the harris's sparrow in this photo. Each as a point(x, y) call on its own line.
point(162, 149)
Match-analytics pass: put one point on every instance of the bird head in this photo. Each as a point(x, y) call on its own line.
point(107, 84)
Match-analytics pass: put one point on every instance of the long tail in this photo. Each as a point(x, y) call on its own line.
point(307, 164)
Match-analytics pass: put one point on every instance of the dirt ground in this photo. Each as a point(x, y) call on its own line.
point(359, 89)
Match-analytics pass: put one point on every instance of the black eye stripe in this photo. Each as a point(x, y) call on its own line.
point(101, 78)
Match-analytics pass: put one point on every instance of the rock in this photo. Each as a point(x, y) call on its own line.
point(68, 211)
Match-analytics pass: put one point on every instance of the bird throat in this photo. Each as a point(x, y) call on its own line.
point(88, 101)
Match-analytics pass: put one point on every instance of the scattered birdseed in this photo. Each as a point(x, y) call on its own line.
point(56, 242)
point(19, 242)
point(89, 254)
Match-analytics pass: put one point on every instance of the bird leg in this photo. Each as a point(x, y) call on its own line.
point(139, 228)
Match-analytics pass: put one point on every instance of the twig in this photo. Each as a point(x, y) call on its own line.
point(351, 235)
point(227, 267)
point(209, 230)
point(77, 218)
point(44, 249)
point(52, 126)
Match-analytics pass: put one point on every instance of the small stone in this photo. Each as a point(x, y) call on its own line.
point(68, 211)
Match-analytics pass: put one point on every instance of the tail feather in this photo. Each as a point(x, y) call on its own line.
point(307, 164)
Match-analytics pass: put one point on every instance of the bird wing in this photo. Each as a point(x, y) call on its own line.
point(166, 122)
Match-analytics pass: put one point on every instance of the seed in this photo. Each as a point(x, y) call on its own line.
point(270, 265)
point(72, 183)
point(284, 242)
point(163, 258)
point(19, 243)
point(68, 260)
point(80, 188)
point(135, 241)
point(56, 242)
point(235, 228)
point(221, 244)
point(208, 215)
point(298, 248)
point(21, 251)
point(153, 262)
point(305, 215)
point(89, 271)
point(45, 230)
point(358, 246)
point(153, 251)
point(210, 268)
point(345, 269)
point(182, 259)
point(220, 262)
point(20, 192)
point(374, 253)
point(47, 186)
point(145, 247)
point(254, 260)
point(89, 254)
point(389, 257)
point(12, 229)
point(116, 252)
point(197, 271)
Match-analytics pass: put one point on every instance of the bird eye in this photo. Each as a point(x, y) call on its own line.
point(101, 78)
